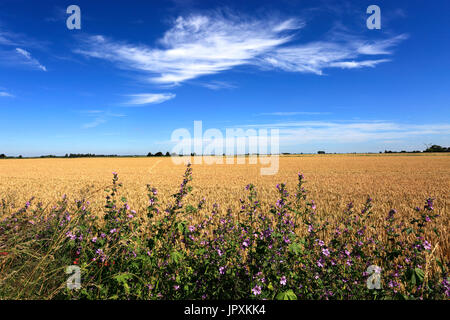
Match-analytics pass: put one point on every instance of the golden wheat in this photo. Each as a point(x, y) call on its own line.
point(393, 181)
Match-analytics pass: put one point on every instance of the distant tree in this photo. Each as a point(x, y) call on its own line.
point(159, 154)
point(149, 154)
point(20, 156)
point(2, 156)
point(321, 152)
point(436, 148)
point(167, 154)
point(83, 155)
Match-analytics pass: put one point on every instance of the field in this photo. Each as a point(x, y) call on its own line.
point(400, 182)
point(394, 181)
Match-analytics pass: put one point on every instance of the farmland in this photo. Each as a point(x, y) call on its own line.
point(400, 182)
point(393, 181)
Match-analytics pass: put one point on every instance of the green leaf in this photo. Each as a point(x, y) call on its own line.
point(191, 209)
point(176, 256)
point(122, 277)
point(286, 295)
point(419, 274)
point(413, 278)
point(181, 226)
point(295, 248)
point(127, 288)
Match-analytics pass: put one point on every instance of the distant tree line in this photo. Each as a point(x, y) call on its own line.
point(403, 151)
point(87, 155)
point(433, 148)
point(159, 154)
point(49, 156)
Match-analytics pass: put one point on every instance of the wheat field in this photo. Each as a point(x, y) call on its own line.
point(394, 181)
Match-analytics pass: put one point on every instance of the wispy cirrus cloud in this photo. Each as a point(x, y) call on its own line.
point(380, 46)
point(199, 45)
point(217, 85)
point(6, 39)
point(357, 64)
point(100, 117)
point(29, 60)
point(12, 52)
point(310, 134)
point(92, 124)
point(194, 46)
point(13, 39)
point(148, 98)
point(6, 94)
point(340, 51)
point(299, 132)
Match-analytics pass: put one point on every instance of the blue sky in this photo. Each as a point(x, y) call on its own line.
point(138, 70)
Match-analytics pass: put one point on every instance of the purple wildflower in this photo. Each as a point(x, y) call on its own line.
point(256, 290)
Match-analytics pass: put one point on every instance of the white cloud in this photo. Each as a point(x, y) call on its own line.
point(101, 117)
point(149, 98)
point(217, 85)
point(357, 64)
point(25, 53)
point(381, 46)
point(6, 94)
point(195, 46)
point(5, 39)
point(8, 38)
point(30, 60)
point(311, 134)
point(12, 52)
point(300, 132)
point(340, 52)
point(95, 123)
point(199, 45)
